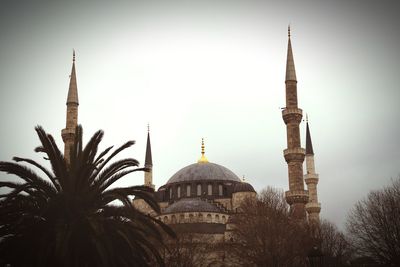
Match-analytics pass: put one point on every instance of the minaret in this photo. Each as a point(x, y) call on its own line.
point(311, 178)
point(68, 134)
point(296, 196)
point(148, 163)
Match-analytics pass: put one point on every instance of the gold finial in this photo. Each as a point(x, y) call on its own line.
point(243, 179)
point(203, 158)
point(73, 55)
point(289, 30)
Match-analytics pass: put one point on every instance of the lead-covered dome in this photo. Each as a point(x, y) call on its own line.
point(203, 171)
point(243, 187)
point(191, 205)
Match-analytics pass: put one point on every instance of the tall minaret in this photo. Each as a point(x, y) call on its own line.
point(296, 196)
point(148, 163)
point(68, 134)
point(311, 178)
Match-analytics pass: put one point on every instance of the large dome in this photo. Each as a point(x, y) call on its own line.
point(203, 171)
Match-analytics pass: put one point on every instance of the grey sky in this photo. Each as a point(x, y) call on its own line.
point(212, 69)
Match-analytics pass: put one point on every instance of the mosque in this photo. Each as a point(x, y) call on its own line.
point(201, 198)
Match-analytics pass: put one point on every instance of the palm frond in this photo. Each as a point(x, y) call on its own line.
point(116, 152)
point(102, 154)
point(55, 156)
point(42, 168)
point(115, 177)
point(27, 175)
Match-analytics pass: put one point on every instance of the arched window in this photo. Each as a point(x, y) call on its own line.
point(188, 190)
point(170, 192)
point(179, 191)
point(217, 218)
point(165, 219)
point(220, 191)
point(173, 219)
point(198, 189)
point(181, 218)
point(223, 219)
point(200, 217)
point(190, 217)
point(209, 189)
point(208, 218)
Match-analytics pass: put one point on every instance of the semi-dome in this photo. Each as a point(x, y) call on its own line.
point(203, 171)
point(243, 187)
point(191, 205)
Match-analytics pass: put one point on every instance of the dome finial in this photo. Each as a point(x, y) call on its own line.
point(203, 158)
point(73, 55)
point(289, 30)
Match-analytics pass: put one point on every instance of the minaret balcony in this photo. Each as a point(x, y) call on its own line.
point(311, 178)
point(68, 134)
point(296, 196)
point(292, 115)
point(294, 154)
point(312, 207)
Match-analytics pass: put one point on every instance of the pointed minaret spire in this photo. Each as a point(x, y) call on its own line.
point(290, 69)
point(73, 88)
point(203, 158)
point(311, 178)
point(294, 154)
point(68, 134)
point(309, 148)
point(148, 163)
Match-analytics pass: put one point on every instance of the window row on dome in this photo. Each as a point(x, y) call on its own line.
point(174, 192)
point(194, 218)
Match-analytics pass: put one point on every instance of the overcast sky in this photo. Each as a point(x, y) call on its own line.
point(212, 69)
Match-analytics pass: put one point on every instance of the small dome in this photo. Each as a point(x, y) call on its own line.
point(243, 187)
point(203, 171)
point(191, 205)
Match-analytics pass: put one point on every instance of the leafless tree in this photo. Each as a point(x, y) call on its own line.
point(333, 243)
point(265, 235)
point(374, 225)
point(187, 250)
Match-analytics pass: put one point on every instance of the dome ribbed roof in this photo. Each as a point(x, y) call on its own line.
point(243, 187)
point(203, 171)
point(191, 205)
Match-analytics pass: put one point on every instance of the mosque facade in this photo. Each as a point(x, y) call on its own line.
point(201, 198)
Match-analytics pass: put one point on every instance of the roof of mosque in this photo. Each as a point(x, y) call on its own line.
point(203, 171)
point(243, 187)
point(191, 205)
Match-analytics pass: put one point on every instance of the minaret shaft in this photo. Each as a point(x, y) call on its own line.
point(294, 155)
point(291, 94)
point(148, 178)
point(311, 178)
point(68, 134)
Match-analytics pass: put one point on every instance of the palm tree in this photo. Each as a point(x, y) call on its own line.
point(69, 218)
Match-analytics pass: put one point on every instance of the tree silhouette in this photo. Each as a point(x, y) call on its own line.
point(69, 216)
point(264, 234)
point(334, 244)
point(374, 225)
